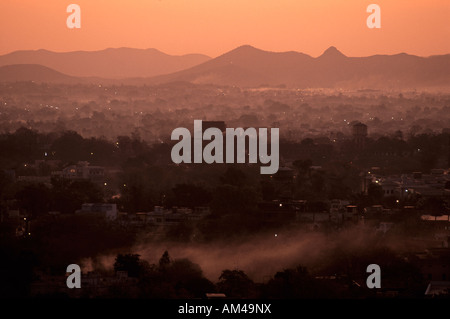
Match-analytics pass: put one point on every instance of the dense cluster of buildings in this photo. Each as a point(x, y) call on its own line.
point(435, 184)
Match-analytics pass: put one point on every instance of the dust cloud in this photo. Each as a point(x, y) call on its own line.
point(261, 256)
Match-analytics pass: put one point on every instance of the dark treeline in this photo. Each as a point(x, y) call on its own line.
point(417, 152)
point(181, 278)
point(144, 175)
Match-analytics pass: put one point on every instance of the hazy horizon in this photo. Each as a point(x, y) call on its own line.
point(220, 54)
point(244, 66)
point(212, 28)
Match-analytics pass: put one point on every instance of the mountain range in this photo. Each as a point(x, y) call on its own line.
point(244, 66)
point(109, 63)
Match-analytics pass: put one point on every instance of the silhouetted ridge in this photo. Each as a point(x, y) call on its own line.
point(332, 52)
point(36, 73)
point(108, 63)
point(247, 66)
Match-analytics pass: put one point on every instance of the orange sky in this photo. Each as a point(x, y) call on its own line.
point(212, 27)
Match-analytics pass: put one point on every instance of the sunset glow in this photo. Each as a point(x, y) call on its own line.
point(214, 27)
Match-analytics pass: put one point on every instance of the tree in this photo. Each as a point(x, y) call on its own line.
point(68, 195)
point(236, 284)
point(295, 283)
point(190, 195)
point(136, 190)
point(164, 261)
point(130, 263)
point(187, 279)
point(70, 147)
point(34, 198)
point(25, 143)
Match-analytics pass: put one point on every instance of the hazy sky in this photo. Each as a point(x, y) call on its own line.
point(212, 27)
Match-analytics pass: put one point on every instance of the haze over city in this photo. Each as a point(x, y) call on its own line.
point(362, 177)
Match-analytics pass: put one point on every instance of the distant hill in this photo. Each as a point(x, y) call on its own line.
point(244, 66)
point(252, 67)
point(36, 73)
point(108, 63)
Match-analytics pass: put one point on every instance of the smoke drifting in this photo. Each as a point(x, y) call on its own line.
point(261, 256)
